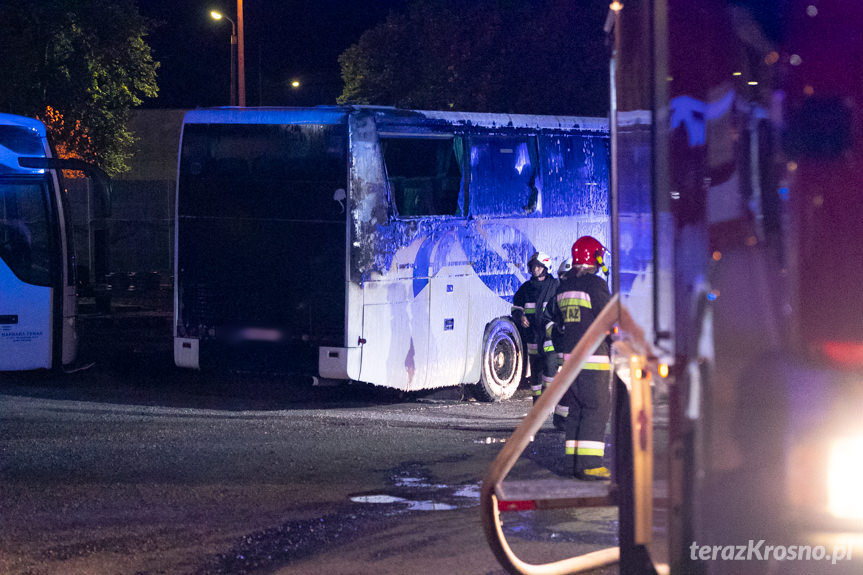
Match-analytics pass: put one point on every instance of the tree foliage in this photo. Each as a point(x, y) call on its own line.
point(80, 66)
point(529, 56)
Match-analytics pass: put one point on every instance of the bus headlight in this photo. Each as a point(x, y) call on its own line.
point(845, 478)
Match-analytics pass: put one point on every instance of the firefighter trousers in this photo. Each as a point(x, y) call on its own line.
point(589, 403)
point(543, 367)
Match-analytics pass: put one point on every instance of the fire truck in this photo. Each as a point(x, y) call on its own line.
point(736, 181)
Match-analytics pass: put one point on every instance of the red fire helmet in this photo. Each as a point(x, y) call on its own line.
point(587, 251)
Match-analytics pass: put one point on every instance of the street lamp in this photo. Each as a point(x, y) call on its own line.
point(218, 16)
point(241, 61)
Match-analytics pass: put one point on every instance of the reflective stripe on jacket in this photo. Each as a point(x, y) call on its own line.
point(578, 301)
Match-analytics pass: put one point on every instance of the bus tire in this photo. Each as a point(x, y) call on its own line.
point(502, 362)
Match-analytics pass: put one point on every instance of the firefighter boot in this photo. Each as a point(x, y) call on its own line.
point(537, 393)
point(594, 474)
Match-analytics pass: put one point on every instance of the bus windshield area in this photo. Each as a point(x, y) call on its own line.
point(25, 235)
point(254, 171)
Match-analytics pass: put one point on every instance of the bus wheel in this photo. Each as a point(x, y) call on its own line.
point(502, 360)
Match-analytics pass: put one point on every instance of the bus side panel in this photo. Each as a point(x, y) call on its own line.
point(345, 362)
point(25, 323)
point(510, 242)
point(552, 235)
point(498, 250)
point(380, 307)
point(485, 305)
point(449, 305)
point(395, 330)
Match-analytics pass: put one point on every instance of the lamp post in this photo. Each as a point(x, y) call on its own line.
point(218, 16)
point(241, 67)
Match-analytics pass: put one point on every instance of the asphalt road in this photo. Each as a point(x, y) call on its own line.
point(152, 470)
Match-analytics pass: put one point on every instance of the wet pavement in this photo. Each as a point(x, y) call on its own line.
point(158, 470)
point(408, 495)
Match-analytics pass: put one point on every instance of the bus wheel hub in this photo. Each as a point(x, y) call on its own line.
point(499, 360)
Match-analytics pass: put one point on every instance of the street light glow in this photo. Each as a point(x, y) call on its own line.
point(235, 90)
point(295, 83)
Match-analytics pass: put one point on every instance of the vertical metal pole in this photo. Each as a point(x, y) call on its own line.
point(241, 66)
point(612, 27)
point(663, 229)
point(91, 278)
point(233, 87)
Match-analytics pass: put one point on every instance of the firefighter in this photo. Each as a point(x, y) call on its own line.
point(564, 268)
point(528, 305)
point(561, 410)
point(579, 299)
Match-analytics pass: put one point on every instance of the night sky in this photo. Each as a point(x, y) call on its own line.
point(284, 40)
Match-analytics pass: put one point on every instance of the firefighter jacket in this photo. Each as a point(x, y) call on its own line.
point(578, 301)
point(530, 301)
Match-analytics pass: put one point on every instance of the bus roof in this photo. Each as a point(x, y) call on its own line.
point(491, 121)
point(21, 136)
point(319, 115)
point(393, 116)
point(23, 121)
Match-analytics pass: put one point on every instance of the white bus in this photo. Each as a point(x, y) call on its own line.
point(37, 275)
point(374, 244)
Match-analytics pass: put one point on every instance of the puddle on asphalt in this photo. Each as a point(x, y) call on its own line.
point(376, 499)
point(412, 491)
point(416, 482)
point(410, 505)
point(471, 490)
point(490, 440)
point(429, 506)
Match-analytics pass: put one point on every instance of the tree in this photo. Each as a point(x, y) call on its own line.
point(529, 56)
point(80, 66)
